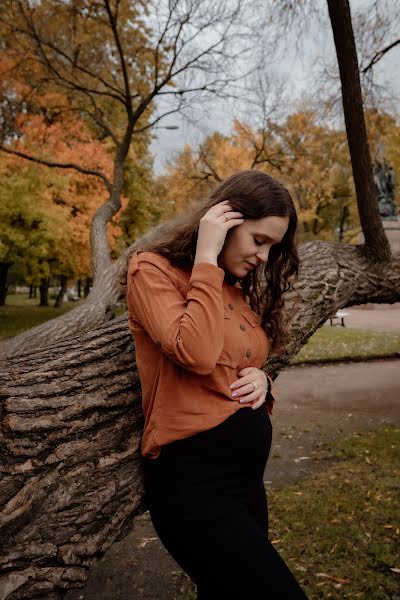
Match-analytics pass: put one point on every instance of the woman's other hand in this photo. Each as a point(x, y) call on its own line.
point(213, 228)
point(243, 390)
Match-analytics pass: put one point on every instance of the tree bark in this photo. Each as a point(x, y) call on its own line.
point(71, 481)
point(375, 238)
point(71, 426)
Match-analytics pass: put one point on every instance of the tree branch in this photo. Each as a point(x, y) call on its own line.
point(113, 23)
point(48, 163)
point(380, 54)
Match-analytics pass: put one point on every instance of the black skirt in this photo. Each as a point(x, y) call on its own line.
point(208, 505)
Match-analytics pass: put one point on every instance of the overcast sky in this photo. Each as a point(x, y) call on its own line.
point(300, 74)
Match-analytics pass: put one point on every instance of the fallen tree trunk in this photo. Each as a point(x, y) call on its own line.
point(71, 427)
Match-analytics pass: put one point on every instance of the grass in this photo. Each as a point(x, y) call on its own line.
point(339, 531)
point(334, 343)
point(21, 313)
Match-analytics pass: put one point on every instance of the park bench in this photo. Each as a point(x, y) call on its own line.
point(340, 315)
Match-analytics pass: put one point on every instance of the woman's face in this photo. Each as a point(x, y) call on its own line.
point(249, 244)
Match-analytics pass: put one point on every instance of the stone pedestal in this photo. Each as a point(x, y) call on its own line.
point(392, 230)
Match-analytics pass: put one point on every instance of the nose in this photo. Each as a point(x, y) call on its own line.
point(263, 255)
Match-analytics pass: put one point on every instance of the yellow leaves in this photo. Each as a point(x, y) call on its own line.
point(310, 159)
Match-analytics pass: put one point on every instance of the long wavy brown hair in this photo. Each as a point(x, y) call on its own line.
point(256, 195)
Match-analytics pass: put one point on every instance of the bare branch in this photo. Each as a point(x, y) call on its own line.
point(379, 55)
point(48, 163)
point(75, 64)
point(213, 172)
point(113, 23)
point(41, 44)
point(98, 119)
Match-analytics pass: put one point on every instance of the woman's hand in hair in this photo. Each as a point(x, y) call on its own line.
point(243, 391)
point(213, 228)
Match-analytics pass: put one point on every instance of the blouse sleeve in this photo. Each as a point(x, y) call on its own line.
point(189, 330)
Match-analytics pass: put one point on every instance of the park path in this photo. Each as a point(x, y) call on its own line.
point(322, 402)
point(314, 404)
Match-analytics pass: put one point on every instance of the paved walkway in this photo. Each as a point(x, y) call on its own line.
point(373, 317)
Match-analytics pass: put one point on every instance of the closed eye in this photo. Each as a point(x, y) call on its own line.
point(258, 243)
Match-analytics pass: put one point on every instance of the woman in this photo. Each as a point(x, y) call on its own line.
point(202, 325)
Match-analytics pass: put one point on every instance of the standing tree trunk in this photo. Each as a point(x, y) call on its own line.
point(88, 285)
point(63, 289)
point(79, 287)
point(44, 291)
point(376, 241)
point(3, 282)
point(344, 214)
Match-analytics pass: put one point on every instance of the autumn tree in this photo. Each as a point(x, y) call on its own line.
point(296, 151)
point(61, 204)
point(122, 66)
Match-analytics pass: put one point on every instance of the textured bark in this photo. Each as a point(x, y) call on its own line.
point(71, 482)
point(333, 276)
point(72, 423)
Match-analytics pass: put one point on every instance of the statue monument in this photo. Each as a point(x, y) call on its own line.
point(384, 181)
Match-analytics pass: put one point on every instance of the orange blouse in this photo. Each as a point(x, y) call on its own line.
point(193, 333)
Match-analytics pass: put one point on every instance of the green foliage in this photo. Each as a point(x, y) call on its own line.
point(28, 232)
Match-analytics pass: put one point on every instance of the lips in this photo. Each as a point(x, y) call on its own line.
point(250, 265)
